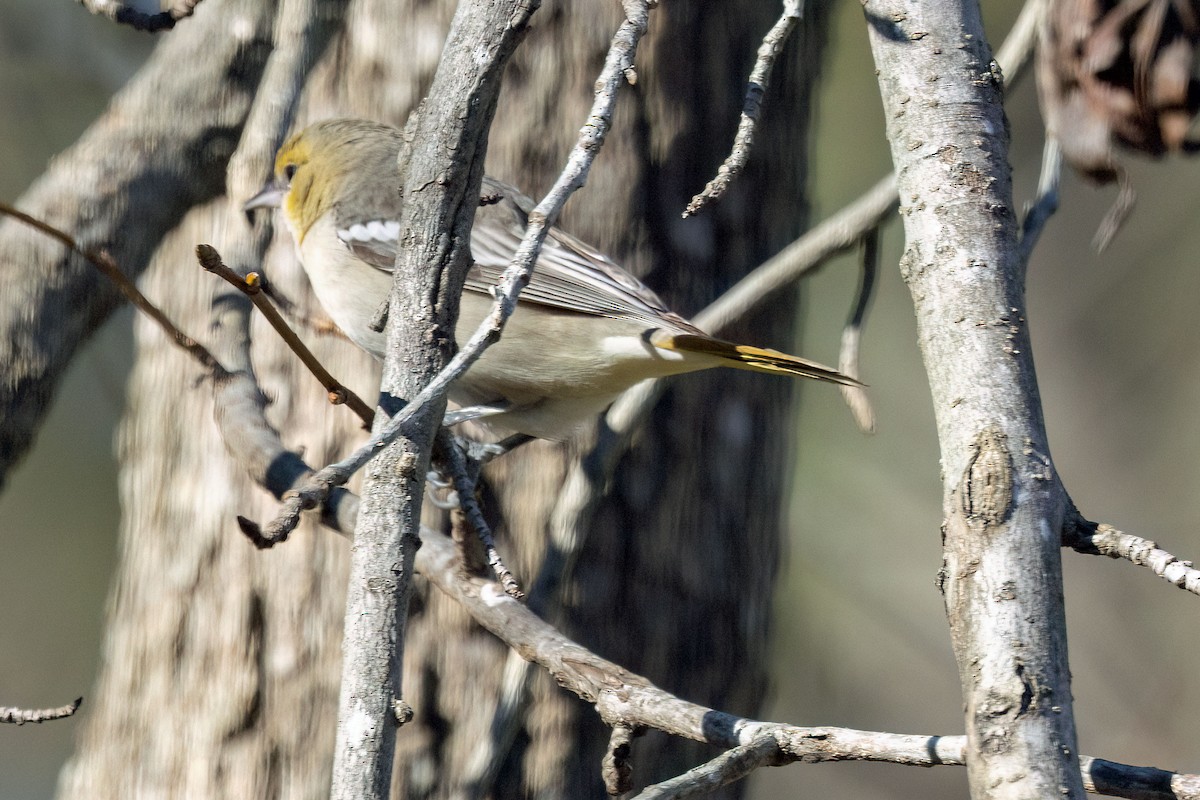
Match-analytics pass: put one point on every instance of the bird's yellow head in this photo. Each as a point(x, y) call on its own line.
point(335, 162)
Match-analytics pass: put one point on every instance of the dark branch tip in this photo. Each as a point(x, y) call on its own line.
point(208, 257)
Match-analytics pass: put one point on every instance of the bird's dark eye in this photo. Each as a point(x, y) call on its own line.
point(289, 172)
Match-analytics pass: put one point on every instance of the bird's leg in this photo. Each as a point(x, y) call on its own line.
point(483, 452)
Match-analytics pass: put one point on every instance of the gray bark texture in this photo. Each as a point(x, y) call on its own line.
point(1004, 506)
point(442, 176)
point(220, 674)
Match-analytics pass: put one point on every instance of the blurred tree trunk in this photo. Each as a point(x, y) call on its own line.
point(221, 662)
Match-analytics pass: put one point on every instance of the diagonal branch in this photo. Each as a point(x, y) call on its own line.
point(732, 765)
point(760, 77)
point(1104, 540)
point(182, 116)
point(102, 261)
point(622, 698)
point(20, 716)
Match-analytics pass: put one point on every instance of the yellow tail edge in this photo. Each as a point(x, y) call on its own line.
point(755, 359)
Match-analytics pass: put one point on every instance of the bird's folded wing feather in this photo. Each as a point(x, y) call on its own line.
point(569, 274)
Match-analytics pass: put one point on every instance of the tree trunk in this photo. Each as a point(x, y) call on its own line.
point(221, 662)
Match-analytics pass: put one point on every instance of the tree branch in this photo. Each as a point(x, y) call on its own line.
point(182, 116)
point(1105, 540)
point(1004, 507)
point(622, 698)
point(743, 140)
point(441, 172)
point(252, 287)
point(732, 765)
point(19, 716)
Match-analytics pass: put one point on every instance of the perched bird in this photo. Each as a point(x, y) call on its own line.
point(583, 332)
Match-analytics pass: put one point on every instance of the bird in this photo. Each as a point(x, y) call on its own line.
point(584, 329)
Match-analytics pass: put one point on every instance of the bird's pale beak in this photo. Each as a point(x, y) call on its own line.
point(269, 197)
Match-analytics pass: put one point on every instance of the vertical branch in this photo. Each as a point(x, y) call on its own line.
point(1003, 505)
point(441, 177)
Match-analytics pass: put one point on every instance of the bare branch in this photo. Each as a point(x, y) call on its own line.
point(623, 698)
point(465, 476)
point(732, 765)
point(139, 20)
point(19, 716)
point(182, 124)
point(251, 286)
point(1137, 783)
point(760, 77)
point(1004, 509)
point(1046, 202)
point(839, 232)
point(856, 396)
point(441, 171)
point(1105, 540)
point(616, 769)
point(239, 411)
point(102, 261)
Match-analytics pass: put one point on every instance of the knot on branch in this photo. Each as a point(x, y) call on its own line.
point(986, 491)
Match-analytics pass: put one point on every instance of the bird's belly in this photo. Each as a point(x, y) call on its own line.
point(351, 292)
point(557, 368)
point(548, 352)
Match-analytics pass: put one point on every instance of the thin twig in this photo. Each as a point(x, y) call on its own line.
point(1046, 202)
point(839, 232)
point(855, 396)
point(1118, 212)
point(19, 716)
point(465, 475)
point(1101, 539)
point(251, 286)
point(617, 768)
point(760, 77)
point(104, 262)
point(139, 20)
point(732, 765)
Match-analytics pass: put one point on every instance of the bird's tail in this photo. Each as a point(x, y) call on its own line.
point(755, 359)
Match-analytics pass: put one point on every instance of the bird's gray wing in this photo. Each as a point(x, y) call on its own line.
point(569, 274)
